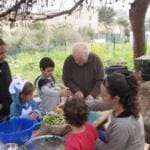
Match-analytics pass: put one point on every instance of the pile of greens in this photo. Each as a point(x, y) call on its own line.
point(54, 119)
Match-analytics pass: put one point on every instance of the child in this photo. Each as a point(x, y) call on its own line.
point(83, 134)
point(23, 105)
point(49, 95)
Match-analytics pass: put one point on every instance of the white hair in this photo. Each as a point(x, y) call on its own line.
point(81, 47)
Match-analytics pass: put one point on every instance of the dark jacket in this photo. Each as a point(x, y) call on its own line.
point(86, 78)
point(5, 79)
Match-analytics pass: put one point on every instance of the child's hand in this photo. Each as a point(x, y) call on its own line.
point(59, 109)
point(61, 105)
point(33, 116)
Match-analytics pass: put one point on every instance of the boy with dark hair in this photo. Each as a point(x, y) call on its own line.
point(49, 95)
point(46, 62)
point(5, 79)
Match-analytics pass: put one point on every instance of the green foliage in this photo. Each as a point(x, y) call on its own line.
point(39, 32)
point(87, 33)
point(106, 15)
point(40, 37)
point(123, 22)
point(122, 53)
point(25, 38)
point(127, 35)
point(27, 64)
point(37, 26)
point(62, 34)
point(126, 30)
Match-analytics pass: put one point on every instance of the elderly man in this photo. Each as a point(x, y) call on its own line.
point(5, 79)
point(83, 72)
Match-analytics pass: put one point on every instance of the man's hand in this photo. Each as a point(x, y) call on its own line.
point(34, 116)
point(65, 92)
point(79, 95)
point(1, 106)
point(89, 97)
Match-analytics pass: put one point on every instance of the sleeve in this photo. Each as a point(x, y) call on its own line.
point(8, 74)
point(8, 81)
point(14, 113)
point(117, 139)
point(71, 147)
point(67, 77)
point(35, 108)
point(102, 136)
point(99, 75)
point(36, 81)
point(50, 91)
point(97, 105)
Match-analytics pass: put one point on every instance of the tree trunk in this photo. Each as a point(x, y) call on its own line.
point(137, 15)
point(137, 18)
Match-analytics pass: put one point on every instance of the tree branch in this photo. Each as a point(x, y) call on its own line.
point(69, 11)
point(13, 8)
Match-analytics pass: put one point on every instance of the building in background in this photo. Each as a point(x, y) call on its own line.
point(79, 19)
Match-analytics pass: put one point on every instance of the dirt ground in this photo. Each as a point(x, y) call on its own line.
point(145, 101)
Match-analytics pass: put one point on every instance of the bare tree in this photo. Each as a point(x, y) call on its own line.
point(16, 9)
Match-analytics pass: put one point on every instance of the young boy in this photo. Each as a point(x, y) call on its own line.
point(23, 105)
point(49, 95)
point(83, 135)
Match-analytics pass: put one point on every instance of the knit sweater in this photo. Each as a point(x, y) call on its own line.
point(123, 133)
point(86, 78)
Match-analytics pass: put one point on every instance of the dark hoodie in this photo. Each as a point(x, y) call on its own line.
point(5, 98)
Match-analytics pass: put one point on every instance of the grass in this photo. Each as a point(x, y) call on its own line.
point(26, 64)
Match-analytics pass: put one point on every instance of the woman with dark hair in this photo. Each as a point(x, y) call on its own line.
point(125, 131)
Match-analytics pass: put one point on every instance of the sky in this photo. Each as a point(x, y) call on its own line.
point(60, 5)
point(64, 4)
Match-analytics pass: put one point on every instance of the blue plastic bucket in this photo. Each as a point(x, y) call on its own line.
point(16, 131)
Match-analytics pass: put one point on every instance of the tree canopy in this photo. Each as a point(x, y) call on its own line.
point(106, 14)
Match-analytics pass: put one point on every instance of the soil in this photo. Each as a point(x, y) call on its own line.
point(145, 100)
